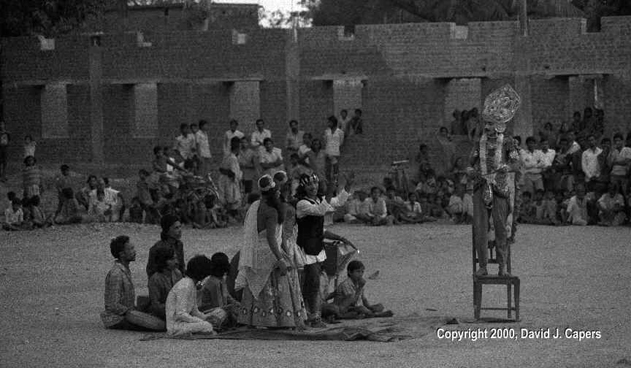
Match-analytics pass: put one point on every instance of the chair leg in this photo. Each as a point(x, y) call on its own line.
point(508, 299)
point(477, 299)
point(517, 299)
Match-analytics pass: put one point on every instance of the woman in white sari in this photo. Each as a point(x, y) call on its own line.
point(269, 295)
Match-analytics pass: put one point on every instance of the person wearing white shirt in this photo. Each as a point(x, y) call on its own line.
point(345, 122)
point(571, 140)
point(589, 162)
point(271, 158)
point(185, 144)
point(259, 135)
point(532, 161)
point(333, 140)
point(203, 148)
point(310, 211)
point(294, 138)
point(233, 132)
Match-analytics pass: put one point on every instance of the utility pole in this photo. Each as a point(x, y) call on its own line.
point(523, 18)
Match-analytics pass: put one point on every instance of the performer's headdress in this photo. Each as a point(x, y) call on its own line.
point(266, 183)
point(500, 107)
point(306, 179)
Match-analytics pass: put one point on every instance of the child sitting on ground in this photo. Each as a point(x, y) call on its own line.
point(136, 213)
point(550, 209)
point(456, 206)
point(611, 207)
point(69, 213)
point(414, 212)
point(38, 218)
point(377, 210)
point(577, 208)
point(213, 298)
point(349, 299)
point(353, 207)
point(14, 216)
point(527, 210)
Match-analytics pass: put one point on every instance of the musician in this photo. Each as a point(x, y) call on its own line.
point(494, 160)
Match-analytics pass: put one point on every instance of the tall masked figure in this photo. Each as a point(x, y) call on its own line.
point(494, 160)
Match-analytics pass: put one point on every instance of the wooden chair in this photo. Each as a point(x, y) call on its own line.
point(509, 281)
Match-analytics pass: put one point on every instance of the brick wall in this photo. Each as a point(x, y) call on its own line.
point(409, 75)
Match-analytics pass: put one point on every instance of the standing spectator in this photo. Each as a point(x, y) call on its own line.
point(305, 147)
point(357, 123)
point(29, 146)
point(203, 148)
point(588, 121)
point(572, 143)
point(62, 181)
point(185, 144)
point(532, 160)
point(577, 122)
point(169, 238)
point(259, 135)
point(248, 162)
point(563, 177)
point(548, 156)
point(31, 178)
point(231, 133)
point(317, 158)
point(5, 138)
point(589, 163)
point(271, 158)
point(456, 124)
point(294, 138)
point(333, 140)
point(345, 121)
point(229, 185)
point(619, 159)
point(448, 151)
point(120, 312)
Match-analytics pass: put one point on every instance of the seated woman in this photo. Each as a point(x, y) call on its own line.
point(214, 298)
point(120, 312)
point(161, 282)
point(182, 315)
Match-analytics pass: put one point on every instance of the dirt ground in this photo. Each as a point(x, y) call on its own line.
point(52, 292)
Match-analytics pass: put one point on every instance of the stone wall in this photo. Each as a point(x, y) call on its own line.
point(408, 78)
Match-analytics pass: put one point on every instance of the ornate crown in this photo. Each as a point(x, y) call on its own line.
point(500, 106)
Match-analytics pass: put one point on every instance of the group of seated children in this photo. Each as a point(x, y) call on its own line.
point(574, 208)
point(198, 301)
point(392, 209)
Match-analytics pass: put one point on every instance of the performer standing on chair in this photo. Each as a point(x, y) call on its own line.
point(494, 156)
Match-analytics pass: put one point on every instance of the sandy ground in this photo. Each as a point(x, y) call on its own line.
point(52, 292)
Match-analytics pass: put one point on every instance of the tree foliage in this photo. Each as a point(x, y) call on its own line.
point(46, 17)
point(346, 12)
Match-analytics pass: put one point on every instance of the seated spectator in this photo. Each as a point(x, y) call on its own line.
point(436, 209)
point(428, 185)
point(444, 187)
point(214, 298)
point(38, 217)
point(619, 160)
point(31, 178)
point(611, 207)
point(550, 213)
point(14, 216)
point(350, 300)
point(99, 210)
point(160, 283)
point(62, 181)
point(459, 171)
point(271, 158)
point(83, 195)
point(111, 197)
point(353, 207)
point(377, 209)
point(120, 312)
point(527, 210)
point(136, 213)
point(70, 210)
point(426, 207)
point(182, 314)
point(414, 212)
point(456, 206)
point(577, 208)
point(394, 204)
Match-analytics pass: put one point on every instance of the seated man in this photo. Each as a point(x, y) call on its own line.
point(349, 299)
point(120, 312)
point(611, 207)
point(577, 208)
